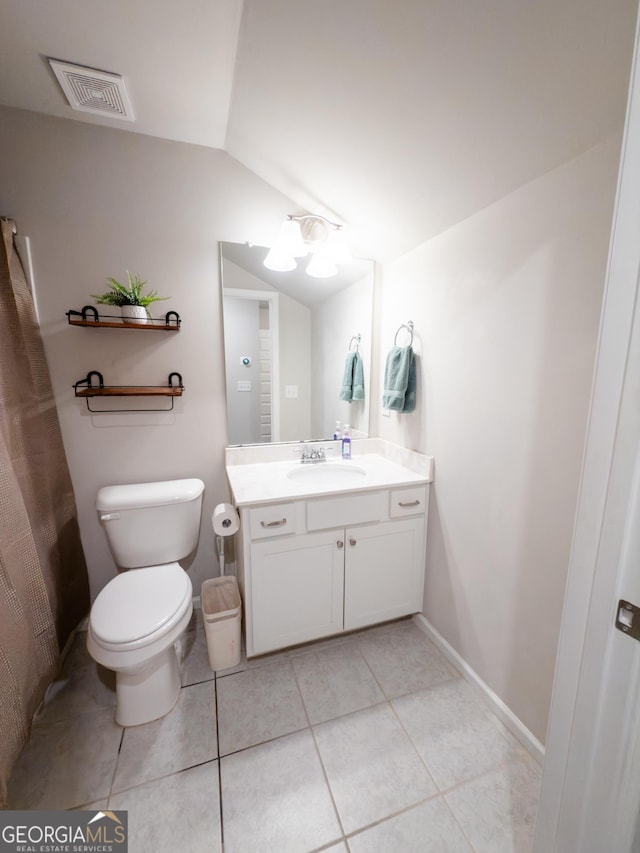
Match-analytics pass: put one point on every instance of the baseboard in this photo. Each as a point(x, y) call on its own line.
point(54, 686)
point(504, 714)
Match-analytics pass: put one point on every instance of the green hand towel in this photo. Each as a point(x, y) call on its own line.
point(399, 393)
point(410, 393)
point(353, 379)
point(358, 378)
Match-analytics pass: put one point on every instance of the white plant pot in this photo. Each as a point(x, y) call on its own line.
point(134, 314)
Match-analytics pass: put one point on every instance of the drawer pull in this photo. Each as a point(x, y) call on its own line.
point(409, 503)
point(352, 541)
point(273, 523)
point(340, 543)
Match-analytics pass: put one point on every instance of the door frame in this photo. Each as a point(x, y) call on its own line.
point(591, 781)
point(272, 297)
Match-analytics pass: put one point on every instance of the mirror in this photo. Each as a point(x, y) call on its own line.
point(287, 336)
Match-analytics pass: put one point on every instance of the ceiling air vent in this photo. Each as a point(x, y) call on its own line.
point(93, 91)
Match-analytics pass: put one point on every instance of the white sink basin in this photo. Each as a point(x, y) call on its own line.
point(327, 472)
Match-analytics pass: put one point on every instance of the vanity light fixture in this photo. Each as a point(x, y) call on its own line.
point(309, 234)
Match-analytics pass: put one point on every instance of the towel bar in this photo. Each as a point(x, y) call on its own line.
point(409, 327)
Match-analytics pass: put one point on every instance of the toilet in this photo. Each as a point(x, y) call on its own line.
point(137, 620)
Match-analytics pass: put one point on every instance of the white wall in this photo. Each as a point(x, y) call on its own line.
point(506, 307)
point(333, 323)
point(295, 369)
point(96, 202)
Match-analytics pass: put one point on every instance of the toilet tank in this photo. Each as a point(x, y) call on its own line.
point(148, 524)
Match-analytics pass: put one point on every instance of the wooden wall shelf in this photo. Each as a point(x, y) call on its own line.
point(89, 317)
point(86, 389)
point(130, 391)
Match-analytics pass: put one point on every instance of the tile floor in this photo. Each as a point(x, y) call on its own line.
point(369, 743)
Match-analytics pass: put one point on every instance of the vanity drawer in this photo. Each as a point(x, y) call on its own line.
point(340, 511)
point(272, 520)
point(412, 501)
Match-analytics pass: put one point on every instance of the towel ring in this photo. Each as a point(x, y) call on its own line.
point(409, 327)
point(357, 338)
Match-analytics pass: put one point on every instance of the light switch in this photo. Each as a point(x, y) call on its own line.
point(244, 385)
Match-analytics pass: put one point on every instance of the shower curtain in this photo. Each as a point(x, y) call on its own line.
point(43, 577)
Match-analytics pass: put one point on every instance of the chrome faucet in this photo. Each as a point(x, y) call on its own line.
point(312, 455)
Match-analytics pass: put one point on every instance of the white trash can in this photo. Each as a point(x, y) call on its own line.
point(221, 611)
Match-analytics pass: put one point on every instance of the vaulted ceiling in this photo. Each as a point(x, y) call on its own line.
point(398, 119)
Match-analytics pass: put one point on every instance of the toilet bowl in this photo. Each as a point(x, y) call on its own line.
point(134, 625)
point(138, 618)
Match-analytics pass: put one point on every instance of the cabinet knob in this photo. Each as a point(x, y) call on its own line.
point(352, 542)
point(340, 543)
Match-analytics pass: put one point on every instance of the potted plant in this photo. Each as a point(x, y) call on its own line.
point(129, 298)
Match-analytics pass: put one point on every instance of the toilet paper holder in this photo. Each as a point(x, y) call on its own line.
point(226, 522)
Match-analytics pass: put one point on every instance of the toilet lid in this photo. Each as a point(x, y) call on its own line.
point(139, 602)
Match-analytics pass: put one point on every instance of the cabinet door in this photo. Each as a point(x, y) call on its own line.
point(296, 589)
point(384, 571)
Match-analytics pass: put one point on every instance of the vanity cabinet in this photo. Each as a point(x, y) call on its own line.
point(296, 589)
point(384, 571)
point(305, 576)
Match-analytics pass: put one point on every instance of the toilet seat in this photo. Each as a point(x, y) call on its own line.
point(138, 607)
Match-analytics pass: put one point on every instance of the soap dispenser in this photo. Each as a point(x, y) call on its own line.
point(337, 433)
point(346, 443)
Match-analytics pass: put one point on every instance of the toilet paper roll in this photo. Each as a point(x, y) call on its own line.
point(225, 520)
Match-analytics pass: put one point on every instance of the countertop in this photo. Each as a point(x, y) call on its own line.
point(268, 482)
